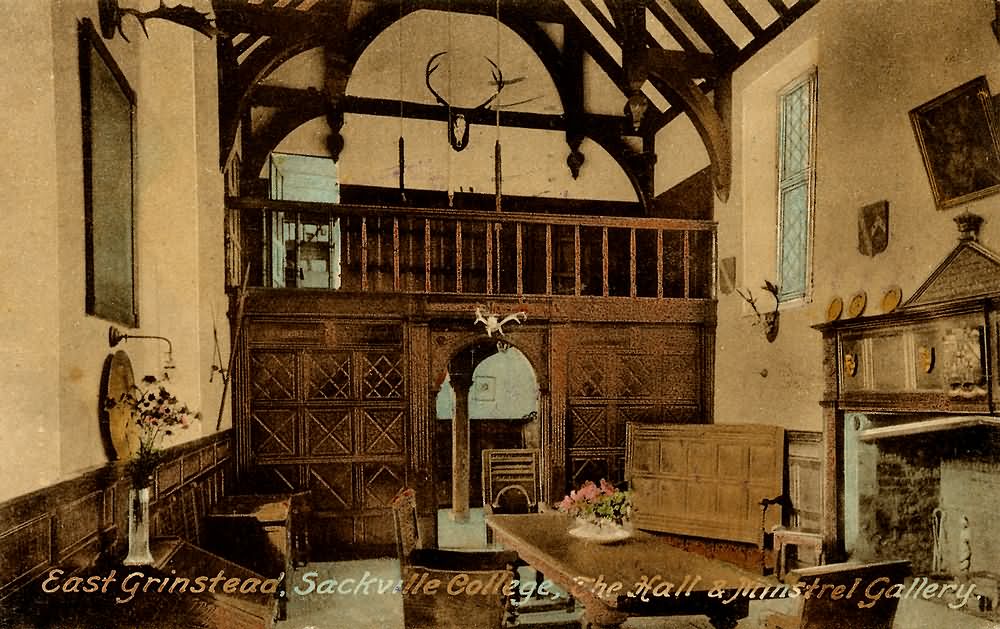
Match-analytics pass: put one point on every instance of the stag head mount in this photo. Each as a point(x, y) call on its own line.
point(767, 320)
point(458, 117)
point(494, 322)
point(111, 12)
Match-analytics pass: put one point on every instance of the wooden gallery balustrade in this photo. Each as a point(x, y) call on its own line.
point(443, 251)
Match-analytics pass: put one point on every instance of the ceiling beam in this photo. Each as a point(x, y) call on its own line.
point(776, 28)
point(691, 64)
point(744, 16)
point(706, 27)
point(314, 100)
point(234, 18)
point(675, 31)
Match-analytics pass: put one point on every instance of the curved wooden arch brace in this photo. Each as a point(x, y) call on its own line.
point(261, 62)
point(268, 137)
point(706, 120)
point(270, 55)
point(621, 152)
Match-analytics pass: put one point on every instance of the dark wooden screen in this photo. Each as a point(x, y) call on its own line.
point(332, 418)
point(646, 373)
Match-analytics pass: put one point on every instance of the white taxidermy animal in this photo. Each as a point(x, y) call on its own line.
point(494, 324)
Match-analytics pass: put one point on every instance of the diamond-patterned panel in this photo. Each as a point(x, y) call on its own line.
point(329, 432)
point(328, 375)
point(331, 487)
point(588, 427)
point(382, 431)
point(272, 375)
point(275, 479)
point(588, 376)
point(585, 469)
point(637, 376)
point(272, 432)
point(381, 483)
point(383, 377)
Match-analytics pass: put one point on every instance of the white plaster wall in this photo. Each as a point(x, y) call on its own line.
point(53, 352)
point(30, 254)
point(876, 61)
point(680, 153)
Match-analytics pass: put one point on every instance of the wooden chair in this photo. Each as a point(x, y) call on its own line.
point(825, 612)
point(440, 609)
point(512, 485)
point(511, 482)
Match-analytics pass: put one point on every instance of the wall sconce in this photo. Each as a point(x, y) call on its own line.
point(111, 12)
point(768, 320)
point(116, 336)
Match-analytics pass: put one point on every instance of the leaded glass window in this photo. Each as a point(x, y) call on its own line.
point(796, 177)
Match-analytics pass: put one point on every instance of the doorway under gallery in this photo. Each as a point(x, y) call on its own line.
point(487, 398)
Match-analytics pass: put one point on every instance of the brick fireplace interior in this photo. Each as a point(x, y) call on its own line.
point(931, 497)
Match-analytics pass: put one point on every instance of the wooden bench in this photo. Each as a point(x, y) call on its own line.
point(828, 612)
point(267, 533)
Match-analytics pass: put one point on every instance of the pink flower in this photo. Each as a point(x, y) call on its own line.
point(589, 491)
point(607, 488)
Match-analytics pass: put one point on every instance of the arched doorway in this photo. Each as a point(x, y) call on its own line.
point(488, 398)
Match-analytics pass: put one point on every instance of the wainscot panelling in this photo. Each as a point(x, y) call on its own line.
point(80, 521)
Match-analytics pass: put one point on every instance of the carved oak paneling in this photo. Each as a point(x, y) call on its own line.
point(328, 375)
point(272, 375)
point(382, 431)
point(329, 431)
point(272, 432)
point(328, 418)
point(331, 486)
point(589, 427)
point(73, 522)
point(383, 376)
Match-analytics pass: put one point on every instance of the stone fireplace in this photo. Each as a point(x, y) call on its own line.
point(933, 498)
point(912, 426)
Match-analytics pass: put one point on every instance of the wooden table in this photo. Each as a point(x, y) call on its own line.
point(607, 578)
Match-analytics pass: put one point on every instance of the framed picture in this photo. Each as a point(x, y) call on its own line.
point(108, 106)
point(957, 136)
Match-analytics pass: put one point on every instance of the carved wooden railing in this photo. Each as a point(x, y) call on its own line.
point(418, 250)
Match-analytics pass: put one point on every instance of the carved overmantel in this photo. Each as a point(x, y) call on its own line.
point(927, 366)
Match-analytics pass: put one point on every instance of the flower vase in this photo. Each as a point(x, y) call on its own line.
point(599, 531)
point(138, 528)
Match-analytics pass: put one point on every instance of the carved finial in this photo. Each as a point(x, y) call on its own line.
point(968, 226)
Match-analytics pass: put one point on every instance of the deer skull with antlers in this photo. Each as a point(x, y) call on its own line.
point(458, 117)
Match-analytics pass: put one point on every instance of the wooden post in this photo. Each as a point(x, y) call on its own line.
point(460, 384)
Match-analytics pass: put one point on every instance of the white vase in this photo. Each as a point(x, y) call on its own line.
point(600, 531)
point(138, 528)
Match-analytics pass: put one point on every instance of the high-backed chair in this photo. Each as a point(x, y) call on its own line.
point(832, 612)
point(469, 572)
point(511, 482)
point(512, 485)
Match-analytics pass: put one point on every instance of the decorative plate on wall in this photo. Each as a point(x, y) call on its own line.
point(857, 304)
point(117, 429)
point(834, 309)
point(891, 299)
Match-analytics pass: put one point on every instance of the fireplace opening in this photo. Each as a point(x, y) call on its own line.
point(929, 495)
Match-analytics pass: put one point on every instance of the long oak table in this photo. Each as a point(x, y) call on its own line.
point(642, 576)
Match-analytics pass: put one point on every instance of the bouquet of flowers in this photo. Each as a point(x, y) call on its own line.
point(599, 504)
point(156, 413)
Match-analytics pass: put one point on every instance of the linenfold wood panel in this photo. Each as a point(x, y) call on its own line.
point(705, 480)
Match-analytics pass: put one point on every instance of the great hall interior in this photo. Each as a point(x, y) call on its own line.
point(738, 257)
